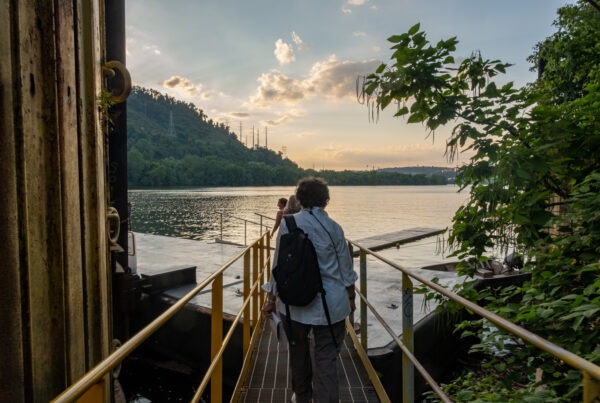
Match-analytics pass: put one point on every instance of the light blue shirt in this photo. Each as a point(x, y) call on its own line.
point(336, 266)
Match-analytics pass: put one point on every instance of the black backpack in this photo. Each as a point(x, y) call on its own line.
point(297, 271)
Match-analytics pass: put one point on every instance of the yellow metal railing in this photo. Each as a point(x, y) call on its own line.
point(590, 371)
point(256, 261)
point(261, 227)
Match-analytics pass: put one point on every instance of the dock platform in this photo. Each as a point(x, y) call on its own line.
point(390, 239)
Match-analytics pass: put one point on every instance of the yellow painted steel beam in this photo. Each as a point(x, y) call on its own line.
point(371, 373)
point(246, 325)
point(216, 339)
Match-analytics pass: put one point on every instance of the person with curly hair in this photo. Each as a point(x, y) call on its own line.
point(338, 276)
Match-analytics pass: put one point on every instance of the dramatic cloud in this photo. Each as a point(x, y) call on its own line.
point(277, 88)
point(337, 79)
point(330, 78)
point(283, 52)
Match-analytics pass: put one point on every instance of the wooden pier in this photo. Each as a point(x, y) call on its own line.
point(390, 239)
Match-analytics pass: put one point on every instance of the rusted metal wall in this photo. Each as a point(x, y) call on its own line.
point(54, 273)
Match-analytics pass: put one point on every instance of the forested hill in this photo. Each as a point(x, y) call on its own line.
point(173, 143)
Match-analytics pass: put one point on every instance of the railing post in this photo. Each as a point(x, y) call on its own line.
point(245, 231)
point(246, 323)
point(591, 388)
point(363, 306)
point(221, 226)
point(216, 338)
point(261, 257)
point(408, 370)
point(268, 276)
point(254, 279)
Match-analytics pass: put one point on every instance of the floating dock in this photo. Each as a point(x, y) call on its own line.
point(390, 239)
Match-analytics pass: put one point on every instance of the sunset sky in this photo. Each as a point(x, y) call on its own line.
point(290, 66)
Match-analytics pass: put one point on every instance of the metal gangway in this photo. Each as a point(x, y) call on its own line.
point(95, 385)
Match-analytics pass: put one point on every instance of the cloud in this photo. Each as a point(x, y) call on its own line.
point(152, 48)
point(297, 41)
point(177, 81)
point(337, 79)
point(346, 10)
point(277, 88)
point(358, 2)
point(359, 33)
point(283, 52)
point(181, 83)
point(329, 78)
point(239, 115)
point(277, 122)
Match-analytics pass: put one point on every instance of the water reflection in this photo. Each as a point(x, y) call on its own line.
point(362, 211)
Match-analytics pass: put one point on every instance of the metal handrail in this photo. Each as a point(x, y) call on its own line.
point(97, 374)
point(406, 351)
point(246, 221)
point(265, 216)
point(253, 294)
point(590, 371)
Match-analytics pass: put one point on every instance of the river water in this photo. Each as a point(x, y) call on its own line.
point(362, 211)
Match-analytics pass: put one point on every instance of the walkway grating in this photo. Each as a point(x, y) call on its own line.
point(269, 380)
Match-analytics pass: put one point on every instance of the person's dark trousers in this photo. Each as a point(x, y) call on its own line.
point(326, 383)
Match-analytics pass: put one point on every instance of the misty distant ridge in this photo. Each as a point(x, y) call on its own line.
point(448, 173)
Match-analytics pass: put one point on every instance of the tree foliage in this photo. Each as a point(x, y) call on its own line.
point(533, 180)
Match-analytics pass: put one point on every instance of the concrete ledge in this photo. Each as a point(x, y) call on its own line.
point(172, 278)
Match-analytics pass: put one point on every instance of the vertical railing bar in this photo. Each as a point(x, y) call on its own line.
point(363, 307)
point(255, 312)
point(268, 277)
point(408, 369)
point(261, 259)
point(351, 318)
point(245, 232)
point(221, 226)
point(246, 323)
point(591, 388)
point(216, 339)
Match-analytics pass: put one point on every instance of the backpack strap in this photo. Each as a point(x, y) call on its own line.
point(291, 338)
point(290, 222)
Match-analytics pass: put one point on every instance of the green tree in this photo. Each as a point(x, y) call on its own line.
point(533, 180)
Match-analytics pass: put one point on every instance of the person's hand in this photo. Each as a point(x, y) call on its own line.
point(268, 307)
point(352, 304)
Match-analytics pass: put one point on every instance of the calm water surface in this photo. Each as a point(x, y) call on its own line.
point(361, 210)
